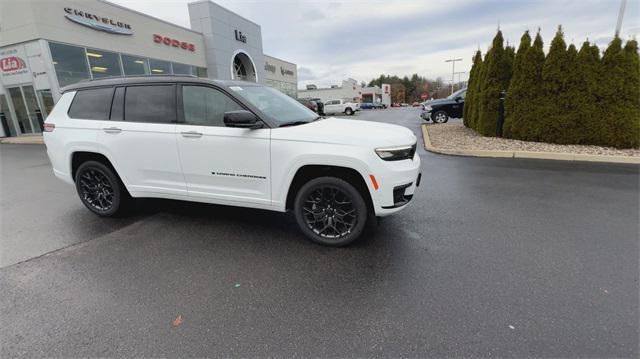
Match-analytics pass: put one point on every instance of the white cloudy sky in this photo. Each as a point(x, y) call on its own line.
point(332, 40)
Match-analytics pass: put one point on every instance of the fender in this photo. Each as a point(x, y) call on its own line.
point(280, 190)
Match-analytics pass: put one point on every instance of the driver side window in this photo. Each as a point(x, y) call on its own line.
point(206, 106)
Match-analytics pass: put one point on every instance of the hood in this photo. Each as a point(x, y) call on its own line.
point(348, 132)
point(441, 101)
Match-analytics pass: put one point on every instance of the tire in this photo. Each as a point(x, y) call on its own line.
point(320, 201)
point(110, 198)
point(440, 117)
point(349, 111)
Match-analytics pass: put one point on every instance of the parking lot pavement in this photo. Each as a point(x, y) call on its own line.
point(494, 257)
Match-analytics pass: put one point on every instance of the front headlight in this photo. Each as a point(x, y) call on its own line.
point(428, 108)
point(396, 153)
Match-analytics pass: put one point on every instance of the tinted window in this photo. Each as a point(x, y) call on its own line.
point(150, 104)
point(117, 107)
point(93, 104)
point(206, 106)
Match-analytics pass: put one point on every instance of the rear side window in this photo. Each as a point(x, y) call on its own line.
point(150, 104)
point(92, 104)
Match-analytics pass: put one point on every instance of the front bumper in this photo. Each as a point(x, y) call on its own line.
point(397, 186)
point(425, 115)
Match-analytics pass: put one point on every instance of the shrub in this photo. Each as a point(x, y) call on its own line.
point(470, 106)
point(495, 78)
point(525, 95)
point(515, 95)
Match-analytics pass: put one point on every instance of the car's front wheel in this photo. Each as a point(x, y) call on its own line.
point(330, 211)
point(101, 190)
point(440, 117)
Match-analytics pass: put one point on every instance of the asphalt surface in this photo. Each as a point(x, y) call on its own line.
point(494, 258)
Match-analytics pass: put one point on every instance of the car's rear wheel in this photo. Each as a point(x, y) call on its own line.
point(348, 111)
point(100, 190)
point(440, 117)
point(330, 211)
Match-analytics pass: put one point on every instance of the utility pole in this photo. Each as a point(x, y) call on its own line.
point(623, 5)
point(453, 71)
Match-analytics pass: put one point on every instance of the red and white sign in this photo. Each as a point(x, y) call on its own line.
point(174, 42)
point(12, 64)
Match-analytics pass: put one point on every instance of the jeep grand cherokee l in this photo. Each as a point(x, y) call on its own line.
point(229, 143)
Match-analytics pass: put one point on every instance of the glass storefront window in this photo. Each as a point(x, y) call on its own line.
point(103, 63)
point(133, 65)
point(159, 67)
point(5, 117)
point(201, 72)
point(181, 69)
point(70, 63)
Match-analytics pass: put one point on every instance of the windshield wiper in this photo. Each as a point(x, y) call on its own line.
point(294, 123)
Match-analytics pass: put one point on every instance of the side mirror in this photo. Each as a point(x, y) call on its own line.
point(241, 119)
point(458, 99)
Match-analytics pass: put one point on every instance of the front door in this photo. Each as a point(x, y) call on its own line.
point(221, 163)
point(26, 108)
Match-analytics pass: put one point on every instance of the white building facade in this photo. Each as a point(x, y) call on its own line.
point(349, 90)
point(46, 45)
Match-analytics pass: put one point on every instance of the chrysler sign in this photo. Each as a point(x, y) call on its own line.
point(97, 22)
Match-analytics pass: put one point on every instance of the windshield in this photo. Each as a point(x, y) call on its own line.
point(459, 93)
point(280, 107)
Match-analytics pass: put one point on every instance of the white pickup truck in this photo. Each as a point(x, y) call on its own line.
point(341, 106)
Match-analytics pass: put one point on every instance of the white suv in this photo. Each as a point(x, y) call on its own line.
point(229, 143)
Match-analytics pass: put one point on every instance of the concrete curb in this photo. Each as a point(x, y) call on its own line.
point(557, 156)
point(23, 140)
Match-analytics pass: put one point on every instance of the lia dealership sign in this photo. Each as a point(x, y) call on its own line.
point(98, 22)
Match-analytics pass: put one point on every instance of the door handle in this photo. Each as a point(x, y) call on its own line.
point(112, 130)
point(191, 134)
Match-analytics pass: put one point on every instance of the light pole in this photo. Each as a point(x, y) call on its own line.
point(453, 71)
point(623, 5)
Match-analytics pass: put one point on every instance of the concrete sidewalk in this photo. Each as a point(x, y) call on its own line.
point(24, 140)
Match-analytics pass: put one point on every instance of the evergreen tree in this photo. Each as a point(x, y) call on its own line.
point(510, 53)
point(469, 101)
point(589, 71)
point(617, 102)
point(515, 94)
point(495, 78)
point(554, 120)
point(523, 121)
point(631, 110)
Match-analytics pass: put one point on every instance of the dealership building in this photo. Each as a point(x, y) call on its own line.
point(46, 45)
point(349, 90)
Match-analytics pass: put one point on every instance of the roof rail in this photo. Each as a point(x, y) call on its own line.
point(131, 76)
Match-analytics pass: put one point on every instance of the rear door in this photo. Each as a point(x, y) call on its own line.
point(224, 164)
point(140, 140)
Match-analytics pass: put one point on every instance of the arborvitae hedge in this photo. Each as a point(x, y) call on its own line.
point(588, 72)
point(569, 97)
point(515, 93)
point(524, 111)
point(495, 79)
point(469, 101)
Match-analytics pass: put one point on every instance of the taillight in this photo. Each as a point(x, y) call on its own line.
point(49, 127)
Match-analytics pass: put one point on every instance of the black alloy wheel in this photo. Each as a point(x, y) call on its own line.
point(100, 189)
point(330, 211)
point(96, 189)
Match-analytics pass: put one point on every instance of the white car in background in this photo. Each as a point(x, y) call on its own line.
point(333, 107)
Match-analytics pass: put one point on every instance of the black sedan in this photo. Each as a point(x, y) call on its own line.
point(440, 110)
